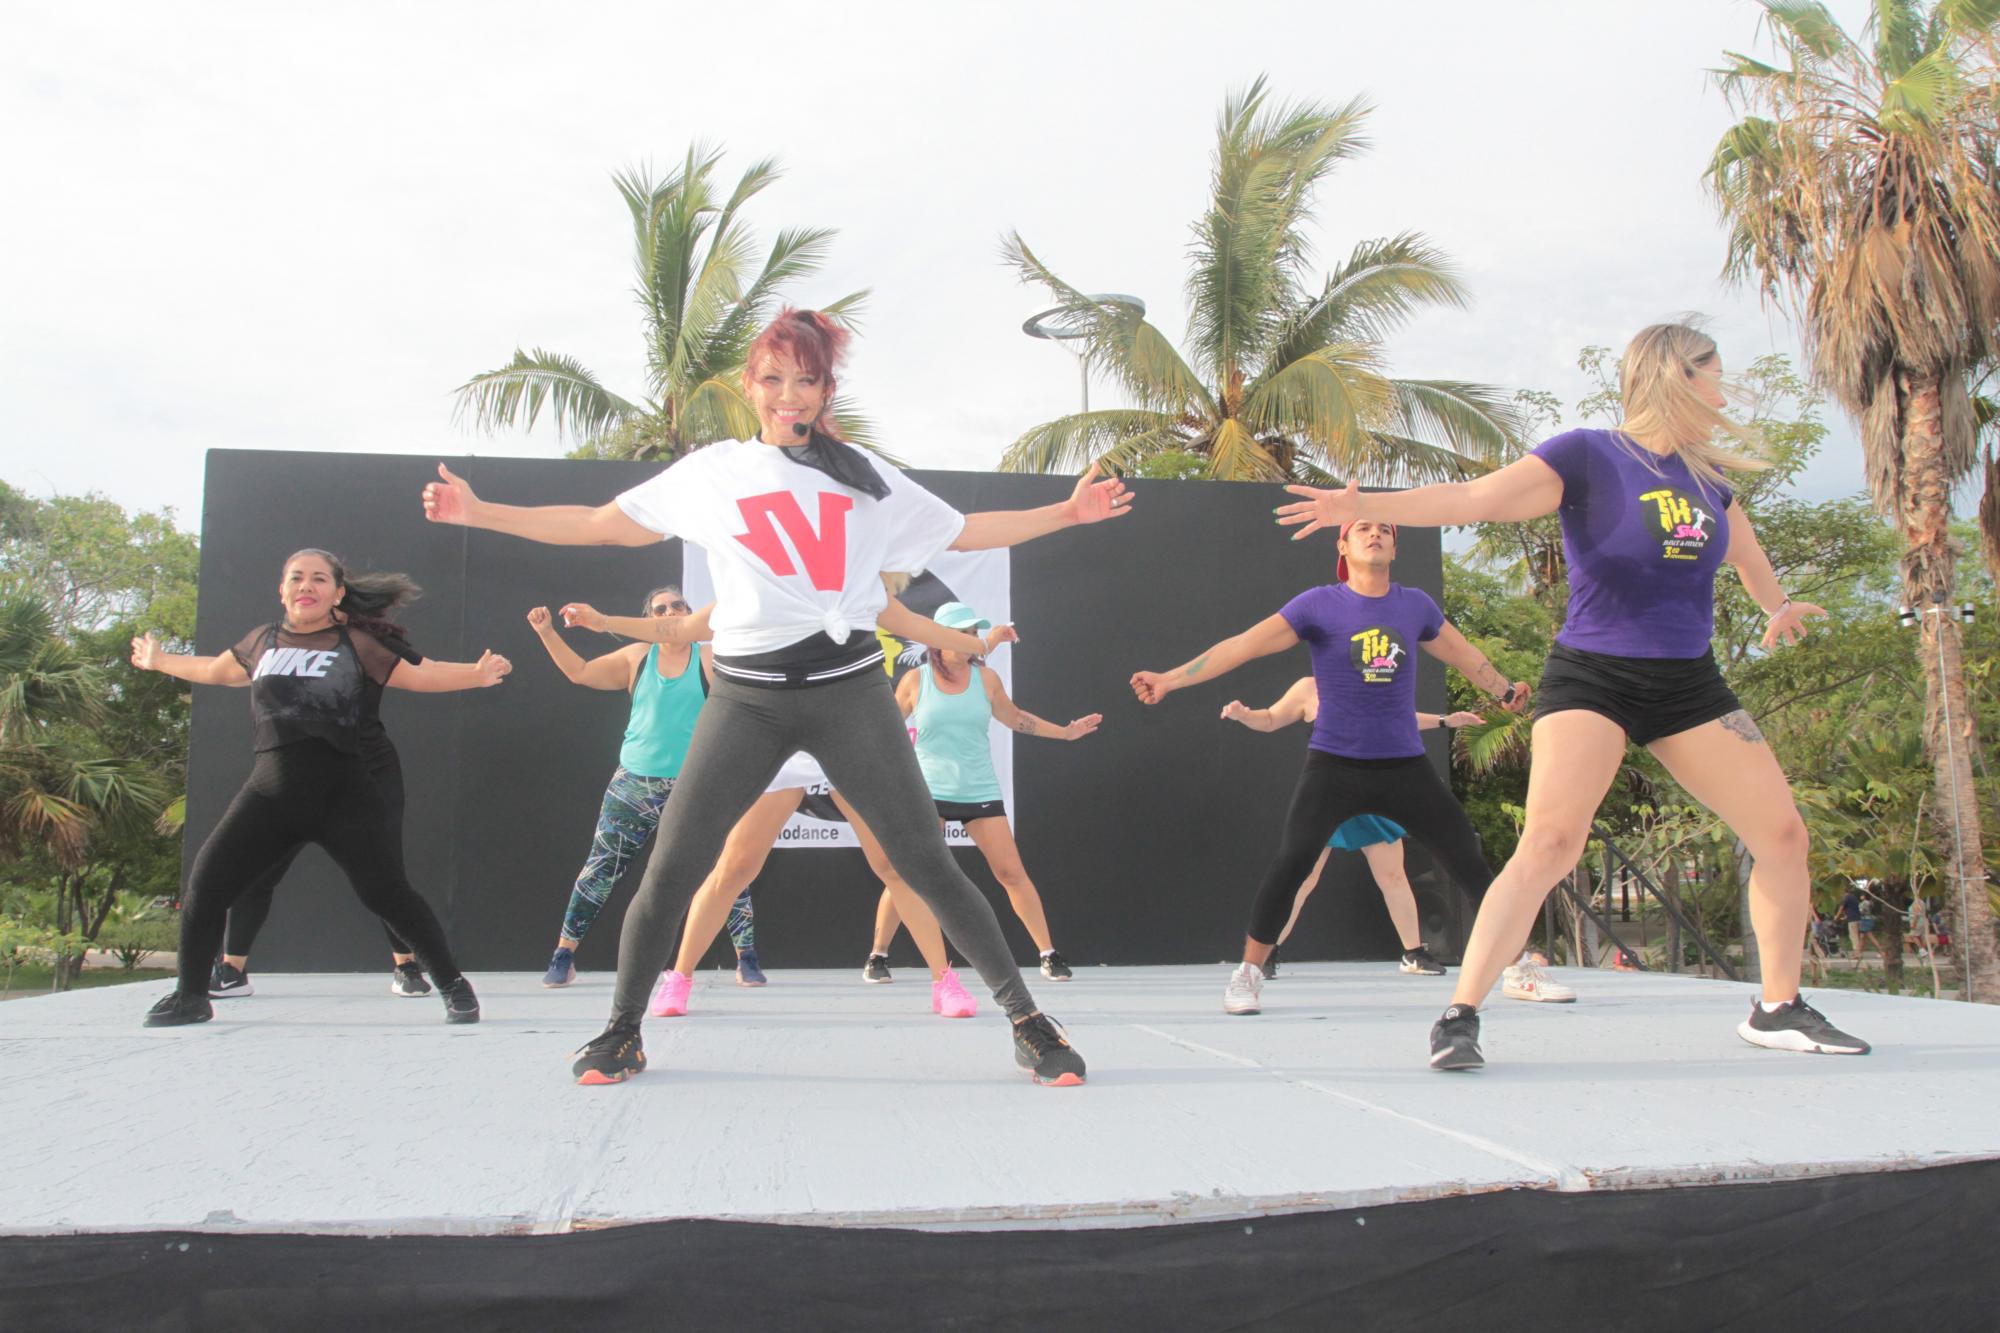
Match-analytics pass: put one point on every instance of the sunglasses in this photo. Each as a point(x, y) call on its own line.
point(675, 607)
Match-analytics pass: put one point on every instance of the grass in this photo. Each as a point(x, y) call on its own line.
point(36, 980)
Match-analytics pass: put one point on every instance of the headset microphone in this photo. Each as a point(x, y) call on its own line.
point(800, 429)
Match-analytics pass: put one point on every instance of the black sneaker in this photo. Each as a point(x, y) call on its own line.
point(460, 1004)
point(1054, 966)
point(408, 980)
point(1419, 962)
point(1455, 1039)
point(227, 983)
point(1797, 1026)
point(177, 1010)
point(612, 1056)
point(1042, 1050)
point(876, 970)
point(1270, 964)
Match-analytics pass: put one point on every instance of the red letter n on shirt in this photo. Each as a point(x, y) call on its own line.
point(824, 553)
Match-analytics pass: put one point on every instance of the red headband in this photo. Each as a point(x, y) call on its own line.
point(1340, 565)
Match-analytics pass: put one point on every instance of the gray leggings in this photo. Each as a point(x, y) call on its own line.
point(856, 732)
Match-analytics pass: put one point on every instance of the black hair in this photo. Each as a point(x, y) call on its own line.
point(646, 607)
point(370, 596)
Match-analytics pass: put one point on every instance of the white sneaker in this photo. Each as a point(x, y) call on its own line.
point(1244, 985)
point(1525, 980)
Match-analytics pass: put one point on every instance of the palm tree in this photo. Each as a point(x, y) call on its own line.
point(1860, 188)
point(1281, 381)
point(701, 302)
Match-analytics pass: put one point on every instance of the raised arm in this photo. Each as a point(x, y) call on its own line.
point(1270, 635)
point(1292, 706)
point(147, 655)
point(613, 671)
point(678, 630)
point(1092, 501)
point(1015, 718)
point(1753, 566)
point(431, 676)
point(910, 627)
point(1455, 650)
point(450, 500)
point(1526, 488)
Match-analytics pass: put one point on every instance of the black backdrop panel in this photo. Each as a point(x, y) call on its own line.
point(1146, 840)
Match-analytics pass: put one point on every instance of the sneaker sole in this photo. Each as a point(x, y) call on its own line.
point(1239, 1012)
point(177, 1022)
point(451, 1017)
point(751, 985)
point(942, 1014)
point(1409, 971)
point(666, 1013)
point(1797, 1042)
point(400, 993)
point(235, 993)
point(1059, 1081)
point(591, 1078)
point(877, 981)
point(1536, 997)
point(1453, 1060)
point(555, 985)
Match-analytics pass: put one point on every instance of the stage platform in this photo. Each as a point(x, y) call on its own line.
point(324, 1149)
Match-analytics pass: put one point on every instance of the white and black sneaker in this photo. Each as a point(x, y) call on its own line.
point(1240, 997)
point(1054, 966)
point(460, 1004)
point(228, 983)
point(408, 980)
point(1455, 1039)
point(876, 970)
point(1797, 1026)
point(1418, 962)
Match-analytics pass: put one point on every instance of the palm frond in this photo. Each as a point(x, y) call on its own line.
point(1806, 28)
point(514, 395)
point(1379, 286)
point(1072, 443)
point(1499, 742)
point(1235, 454)
point(1478, 422)
point(716, 410)
point(1899, 36)
point(1328, 400)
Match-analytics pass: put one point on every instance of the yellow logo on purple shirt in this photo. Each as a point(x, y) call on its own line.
point(1684, 526)
point(1378, 654)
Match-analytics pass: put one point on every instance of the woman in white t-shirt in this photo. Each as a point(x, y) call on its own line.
point(798, 527)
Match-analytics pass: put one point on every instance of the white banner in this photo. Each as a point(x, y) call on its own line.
point(982, 580)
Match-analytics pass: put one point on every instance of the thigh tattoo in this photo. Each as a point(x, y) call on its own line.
point(1739, 724)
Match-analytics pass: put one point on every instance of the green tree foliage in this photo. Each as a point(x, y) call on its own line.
point(90, 752)
point(1282, 378)
point(703, 296)
point(1862, 191)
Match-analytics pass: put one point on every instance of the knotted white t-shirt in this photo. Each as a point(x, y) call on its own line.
point(793, 553)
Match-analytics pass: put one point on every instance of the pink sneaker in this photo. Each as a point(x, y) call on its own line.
point(948, 998)
point(670, 997)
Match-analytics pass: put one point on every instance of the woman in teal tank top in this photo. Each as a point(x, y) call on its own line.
point(668, 684)
point(951, 701)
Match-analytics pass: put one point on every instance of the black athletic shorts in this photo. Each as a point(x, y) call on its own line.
point(1649, 697)
point(964, 812)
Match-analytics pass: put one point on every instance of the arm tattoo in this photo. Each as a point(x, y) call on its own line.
point(1025, 725)
point(1739, 724)
point(1194, 667)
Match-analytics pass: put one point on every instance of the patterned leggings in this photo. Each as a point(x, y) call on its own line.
point(630, 813)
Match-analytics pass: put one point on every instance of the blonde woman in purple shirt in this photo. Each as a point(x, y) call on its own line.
point(1647, 518)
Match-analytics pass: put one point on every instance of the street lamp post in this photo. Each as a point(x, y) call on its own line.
point(1065, 325)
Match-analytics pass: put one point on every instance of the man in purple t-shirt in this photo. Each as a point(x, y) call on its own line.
point(1365, 757)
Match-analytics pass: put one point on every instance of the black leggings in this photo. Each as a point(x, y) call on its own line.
point(855, 731)
point(305, 792)
point(1333, 790)
point(253, 905)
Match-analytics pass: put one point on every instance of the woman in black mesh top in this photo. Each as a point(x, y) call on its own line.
point(309, 675)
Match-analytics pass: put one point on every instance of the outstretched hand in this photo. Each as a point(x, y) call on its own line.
point(1082, 726)
point(146, 652)
point(1235, 711)
point(1463, 718)
point(540, 620)
point(1789, 625)
point(449, 500)
point(582, 615)
point(1150, 686)
point(491, 668)
point(1000, 634)
point(1319, 509)
point(1093, 500)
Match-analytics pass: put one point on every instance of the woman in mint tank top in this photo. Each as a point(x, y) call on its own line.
point(668, 684)
point(1648, 516)
point(951, 702)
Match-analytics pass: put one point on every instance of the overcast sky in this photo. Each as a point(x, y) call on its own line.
point(300, 227)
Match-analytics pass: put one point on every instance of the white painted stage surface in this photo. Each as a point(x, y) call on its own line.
point(323, 1104)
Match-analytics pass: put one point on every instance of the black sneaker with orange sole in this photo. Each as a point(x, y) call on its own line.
point(612, 1056)
point(1042, 1050)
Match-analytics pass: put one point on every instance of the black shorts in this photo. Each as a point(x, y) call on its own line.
point(964, 812)
point(1649, 697)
